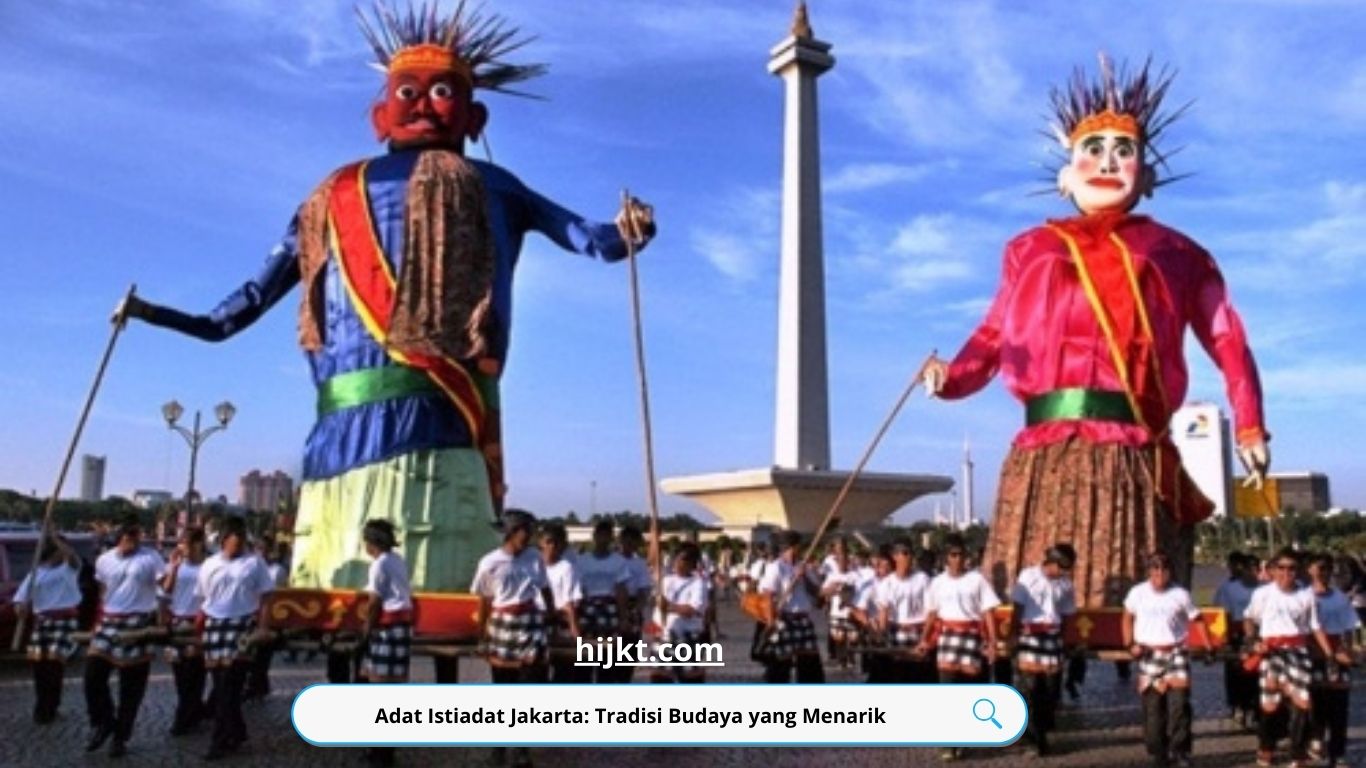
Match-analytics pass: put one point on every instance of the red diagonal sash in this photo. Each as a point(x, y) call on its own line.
point(370, 283)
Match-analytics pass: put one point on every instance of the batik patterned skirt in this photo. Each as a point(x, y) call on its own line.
point(387, 654)
point(183, 629)
point(1039, 653)
point(1098, 497)
point(1161, 668)
point(791, 636)
point(960, 651)
point(1285, 673)
point(223, 640)
point(599, 617)
point(516, 638)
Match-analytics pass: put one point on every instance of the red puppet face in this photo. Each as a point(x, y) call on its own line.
point(424, 107)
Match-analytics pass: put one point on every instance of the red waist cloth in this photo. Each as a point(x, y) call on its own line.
point(1284, 642)
point(390, 618)
point(974, 627)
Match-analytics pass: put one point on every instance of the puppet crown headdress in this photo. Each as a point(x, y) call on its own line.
point(466, 41)
point(1130, 102)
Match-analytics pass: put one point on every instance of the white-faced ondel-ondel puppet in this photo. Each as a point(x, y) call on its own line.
point(406, 264)
point(1087, 329)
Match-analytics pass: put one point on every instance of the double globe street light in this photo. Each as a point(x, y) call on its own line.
point(195, 437)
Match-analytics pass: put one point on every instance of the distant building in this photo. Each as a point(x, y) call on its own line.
point(265, 493)
point(92, 477)
point(151, 499)
point(1303, 491)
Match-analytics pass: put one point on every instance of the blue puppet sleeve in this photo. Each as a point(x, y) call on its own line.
point(243, 306)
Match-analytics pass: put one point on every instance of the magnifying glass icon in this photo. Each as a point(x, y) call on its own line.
point(985, 713)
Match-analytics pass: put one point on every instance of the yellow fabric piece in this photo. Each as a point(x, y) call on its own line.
point(438, 500)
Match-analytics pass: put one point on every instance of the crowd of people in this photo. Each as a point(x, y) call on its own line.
point(903, 614)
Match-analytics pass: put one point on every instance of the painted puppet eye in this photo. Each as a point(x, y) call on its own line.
point(406, 92)
point(1125, 151)
point(441, 91)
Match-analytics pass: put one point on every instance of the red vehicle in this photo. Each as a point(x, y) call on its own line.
point(17, 548)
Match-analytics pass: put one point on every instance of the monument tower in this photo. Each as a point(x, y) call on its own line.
point(797, 490)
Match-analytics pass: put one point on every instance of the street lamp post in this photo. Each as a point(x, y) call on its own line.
point(172, 412)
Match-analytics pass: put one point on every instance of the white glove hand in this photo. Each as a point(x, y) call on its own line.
point(936, 373)
point(1256, 458)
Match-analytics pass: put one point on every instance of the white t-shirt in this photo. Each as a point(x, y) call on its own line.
point(686, 590)
point(599, 576)
point(1160, 618)
point(904, 599)
point(866, 592)
point(389, 580)
point(641, 580)
point(846, 582)
point(1233, 596)
point(508, 580)
point(58, 588)
point(1278, 613)
point(130, 583)
point(564, 583)
point(233, 588)
point(1044, 600)
point(778, 578)
point(756, 570)
point(184, 597)
point(966, 598)
point(1336, 614)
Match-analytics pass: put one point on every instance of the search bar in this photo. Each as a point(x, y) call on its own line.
point(715, 714)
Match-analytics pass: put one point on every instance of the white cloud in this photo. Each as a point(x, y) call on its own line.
point(744, 240)
point(861, 177)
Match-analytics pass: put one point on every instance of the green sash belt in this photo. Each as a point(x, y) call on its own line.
point(1076, 404)
point(372, 385)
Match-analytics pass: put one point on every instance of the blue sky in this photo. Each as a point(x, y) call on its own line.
point(168, 143)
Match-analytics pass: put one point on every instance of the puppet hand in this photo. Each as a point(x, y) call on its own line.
point(636, 222)
point(1256, 457)
point(936, 373)
point(130, 306)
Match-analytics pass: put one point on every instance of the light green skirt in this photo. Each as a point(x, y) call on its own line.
point(438, 500)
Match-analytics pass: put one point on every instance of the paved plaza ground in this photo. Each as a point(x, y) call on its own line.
point(1101, 729)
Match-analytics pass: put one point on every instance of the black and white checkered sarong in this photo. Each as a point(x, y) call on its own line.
point(843, 629)
point(223, 640)
point(678, 638)
point(516, 637)
point(1039, 653)
point(51, 638)
point(598, 617)
point(387, 653)
point(905, 635)
point(1285, 672)
point(106, 643)
point(793, 635)
point(183, 628)
point(960, 651)
point(1161, 669)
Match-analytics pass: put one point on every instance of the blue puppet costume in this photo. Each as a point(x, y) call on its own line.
point(407, 263)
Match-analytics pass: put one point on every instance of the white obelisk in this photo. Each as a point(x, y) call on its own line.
point(802, 427)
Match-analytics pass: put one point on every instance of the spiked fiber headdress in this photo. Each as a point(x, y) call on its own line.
point(1124, 101)
point(467, 41)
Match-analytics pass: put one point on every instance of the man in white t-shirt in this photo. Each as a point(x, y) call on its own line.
point(1157, 617)
point(606, 583)
point(1332, 682)
point(1283, 619)
point(682, 610)
point(902, 609)
point(639, 586)
point(180, 590)
point(52, 594)
point(1233, 595)
point(865, 614)
point(789, 636)
point(231, 584)
point(511, 620)
point(958, 624)
point(1043, 598)
point(838, 591)
point(562, 575)
point(959, 604)
point(127, 575)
